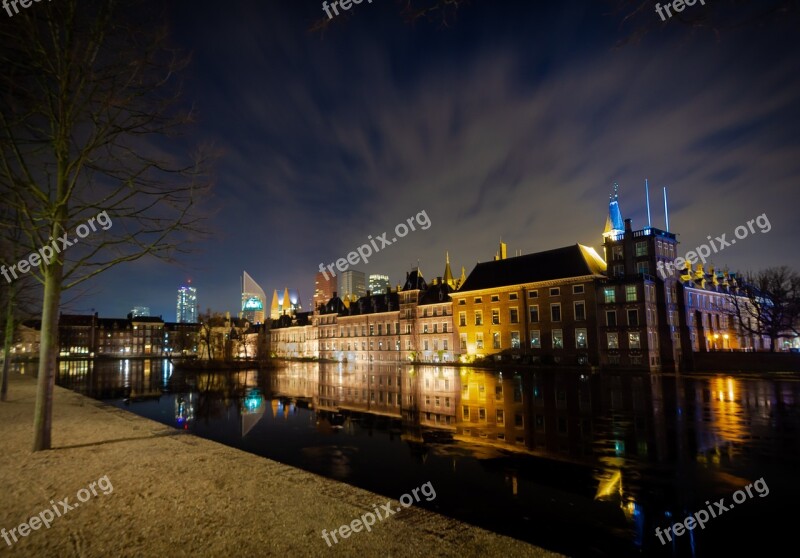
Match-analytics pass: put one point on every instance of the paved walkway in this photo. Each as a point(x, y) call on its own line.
point(173, 494)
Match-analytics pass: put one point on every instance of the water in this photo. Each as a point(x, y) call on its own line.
point(587, 465)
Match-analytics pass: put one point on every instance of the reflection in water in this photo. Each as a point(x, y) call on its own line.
point(533, 454)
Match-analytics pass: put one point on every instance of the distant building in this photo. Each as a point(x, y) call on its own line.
point(323, 289)
point(143, 311)
point(378, 284)
point(253, 300)
point(352, 284)
point(285, 304)
point(187, 305)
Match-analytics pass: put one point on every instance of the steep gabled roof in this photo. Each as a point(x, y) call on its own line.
point(560, 263)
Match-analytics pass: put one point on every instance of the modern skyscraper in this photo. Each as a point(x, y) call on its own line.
point(137, 311)
point(253, 300)
point(378, 284)
point(187, 305)
point(323, 289)
point(352, 283)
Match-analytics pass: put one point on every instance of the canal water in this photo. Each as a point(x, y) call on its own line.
point(583, 464)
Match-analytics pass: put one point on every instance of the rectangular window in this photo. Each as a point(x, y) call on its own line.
point(515, 339)
point(444, 327)
point(643, 268)
point(495, 340)
point(641, 249)
point(618, 270)
point(462, 319)
point(462, 301)
point(463, 341)
point(482, 414)
point(633, 317)
point(533, 294)
point(580, 310)
point(610, 295)
point(630, 293)
point(513, 315)
point(512, 296)
point(558, 339)
point(616, 253)
point(465, 412)
point(555, 312)
point(611, 318)
point(495, 298)
point(495, 317)
point(577, 289)
point(425, 328)
point(479, 340)
point(555, 291)
point(580, 339)
point(477, 299)
point(372, 329)
point(613, 341)
point(634, 340)
point(534, 310)
point(425, 345)
point(536, 339)
point(500, 416)
point(478, 317)
point(444, 344)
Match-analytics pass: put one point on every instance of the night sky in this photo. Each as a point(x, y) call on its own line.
point(511, 122)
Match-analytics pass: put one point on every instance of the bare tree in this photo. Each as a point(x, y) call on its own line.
point(89, 138)
point(209, 334)
point(767, 303)
point(18, 300)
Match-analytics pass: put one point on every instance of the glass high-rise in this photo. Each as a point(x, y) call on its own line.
point(187, 305)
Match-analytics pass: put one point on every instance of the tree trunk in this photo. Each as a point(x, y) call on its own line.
point(7, 344)
point(48, 352)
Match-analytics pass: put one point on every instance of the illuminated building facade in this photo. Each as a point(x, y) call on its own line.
point(187, 305)
point(537, 308)
point(253, 300)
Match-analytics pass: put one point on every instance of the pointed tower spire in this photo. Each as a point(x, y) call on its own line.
point(614, 223)
point(448, 275)
point(463, 276)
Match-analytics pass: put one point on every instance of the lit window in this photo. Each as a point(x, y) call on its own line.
point(610, 295)
point(558, 339)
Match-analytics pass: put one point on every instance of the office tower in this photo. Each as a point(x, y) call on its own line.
point(323, 289)
point(253, 300)
point(352, 283)
point(378, 284)
point(140, 311)
point(187, 305)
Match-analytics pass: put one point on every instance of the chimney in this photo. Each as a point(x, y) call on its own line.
point(628, 227)
point(503, 250)
point(335, 294)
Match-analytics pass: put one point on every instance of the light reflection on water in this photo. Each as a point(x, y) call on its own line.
point(537, 455)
